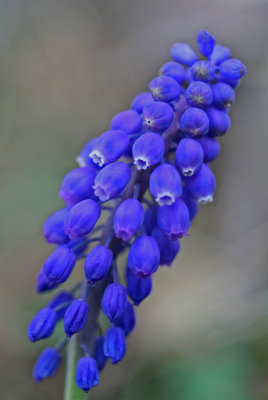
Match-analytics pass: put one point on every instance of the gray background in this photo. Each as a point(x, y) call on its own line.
point(65, 68)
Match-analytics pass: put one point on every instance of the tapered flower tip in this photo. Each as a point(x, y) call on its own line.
point(42, 325)
point(58, 266)
point(98, 263)
point(168, 248)
point(138, 289)
point(47, 364)
point(87, 375)
point(114, 301)
point(115, 344)
point(205, 42)
point(128, 320)
point(75, 317)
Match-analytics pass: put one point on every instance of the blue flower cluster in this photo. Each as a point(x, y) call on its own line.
point(150, 171)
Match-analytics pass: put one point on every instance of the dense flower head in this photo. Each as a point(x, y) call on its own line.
point(138, 188)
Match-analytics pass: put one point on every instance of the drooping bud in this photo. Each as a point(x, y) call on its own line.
point(111, 180)
point(164, 88)
point(128, 321)
point(87, 375)
point(199, 94)
point(42, 324)
point(82, 218)
point(98, 263)
point(83, 158)
point(75, 317)
point(157, 116)
point(140, 101)
point(114, 301)
point(60, 303)
point(205, 42)
point(189, 156)
point(128, 219)
point(219, 122)
point(128, 121)
point(47, 364)
point(183, 53)
point(114, 344)
point(58, 266)
point(174, 220)
point(211, 148)
point(77, 185)
point(138, 289)
point(144, 256)
point(194, 122)
point(202, 185)
point(148, 150)
point(53, 228)
point(98, 353)
point(165, 184)
point(42, 285)
point(173, 70)
point(110, 146)
point(190, 202)
point(168, 248)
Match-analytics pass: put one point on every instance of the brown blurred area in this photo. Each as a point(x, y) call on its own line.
point(66, 68)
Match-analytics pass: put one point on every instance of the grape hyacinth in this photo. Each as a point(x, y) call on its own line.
point(136, 189)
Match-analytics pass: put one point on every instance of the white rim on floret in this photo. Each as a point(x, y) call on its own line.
point(141, 163)
point(80, 161)
point(205, 199)
point(97, 157)
point(101, 193)
point(165, 199)
point(188, 171)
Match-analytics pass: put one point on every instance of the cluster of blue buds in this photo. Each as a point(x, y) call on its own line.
point(147, 174)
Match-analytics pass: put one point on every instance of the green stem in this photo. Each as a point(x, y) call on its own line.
point(71, 391)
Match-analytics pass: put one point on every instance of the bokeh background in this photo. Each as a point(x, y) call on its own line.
point(65, 68)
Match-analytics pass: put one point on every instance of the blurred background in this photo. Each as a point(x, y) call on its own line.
point(66, 67)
